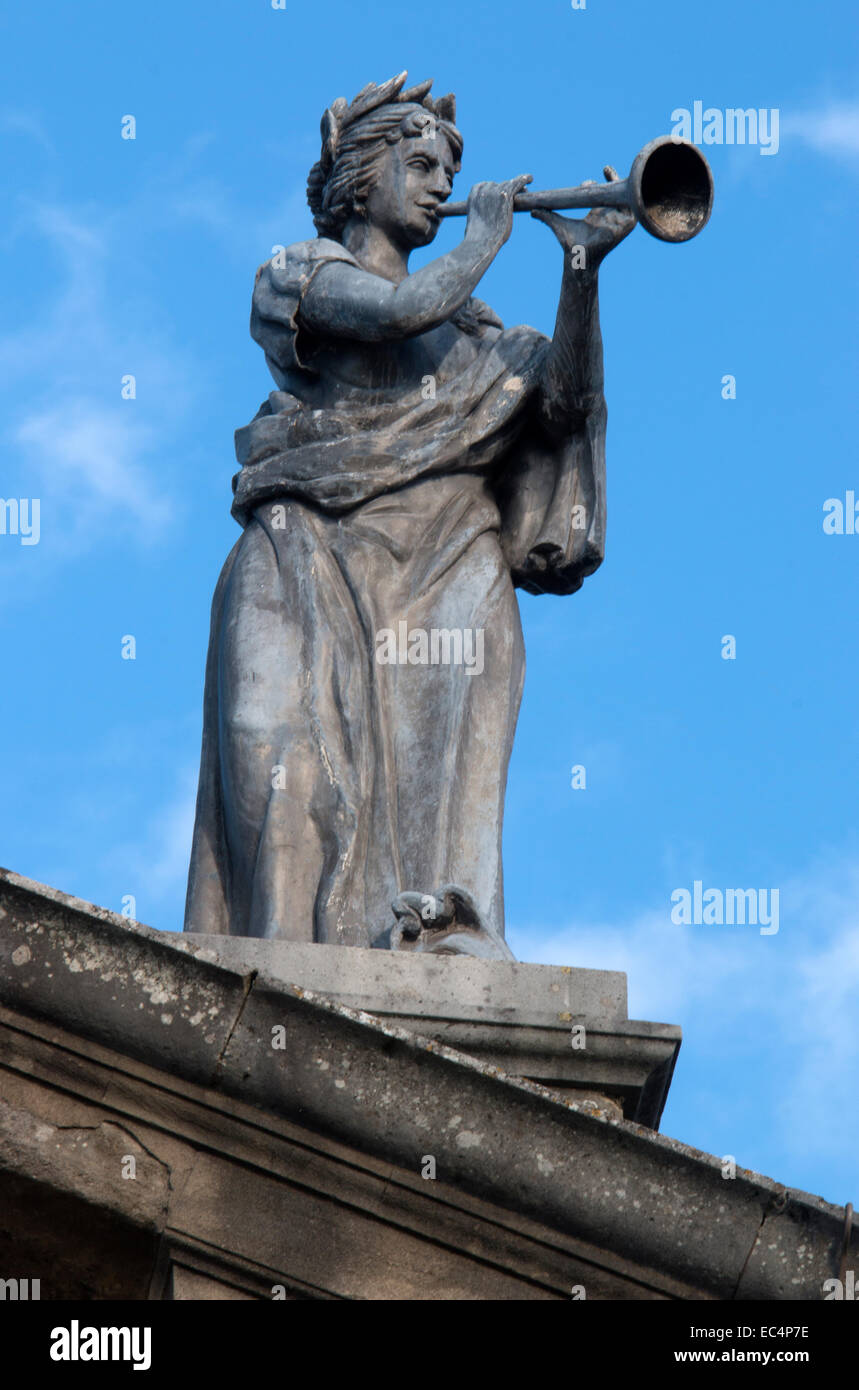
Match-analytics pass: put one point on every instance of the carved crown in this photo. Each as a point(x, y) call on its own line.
point(341, 114)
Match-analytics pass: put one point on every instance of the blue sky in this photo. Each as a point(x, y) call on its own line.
point(138, 257)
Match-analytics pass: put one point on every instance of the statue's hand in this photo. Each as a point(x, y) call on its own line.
point(490, 210)
point(598, 233)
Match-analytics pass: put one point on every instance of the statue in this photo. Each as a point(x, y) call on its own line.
point(415, 464)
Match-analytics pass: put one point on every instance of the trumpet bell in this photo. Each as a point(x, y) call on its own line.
point(671, 189)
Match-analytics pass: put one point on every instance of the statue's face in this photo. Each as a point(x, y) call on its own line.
point(416, 175)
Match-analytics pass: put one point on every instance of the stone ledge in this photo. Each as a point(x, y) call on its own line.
point(393, 1095)
point(257, 1200)
point(514, 1016)
point(425, 986)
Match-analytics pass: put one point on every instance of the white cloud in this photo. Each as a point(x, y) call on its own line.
point(834, 130)
point(794, 996)
point(245, 232)
point(671, 969)
point(170, 836)
point(25, 123)
point(156, 867)
point(94, 459)
point(819, 1015)
point(88, 457)
point(67, 323)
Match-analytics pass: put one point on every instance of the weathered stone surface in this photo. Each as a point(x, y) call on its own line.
point(415, 464)
point(426, 986)
point(302, 1166)
point(512, 1016)
point(81, 1158)
point(86, 967)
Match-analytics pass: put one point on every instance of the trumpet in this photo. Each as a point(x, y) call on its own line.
point(669, 188)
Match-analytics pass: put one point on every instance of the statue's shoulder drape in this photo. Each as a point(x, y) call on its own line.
point(482, 418)
point(278, 288)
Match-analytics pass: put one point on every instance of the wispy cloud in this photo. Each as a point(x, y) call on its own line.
point(245, 232)
point(833, 129)
point(68, 322)
point(154, 867)
point(89, 458)
point(94, 459)
point(26, 123)
point(169, 837)
point(795, 995)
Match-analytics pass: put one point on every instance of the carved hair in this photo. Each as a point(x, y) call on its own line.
point(354, 140)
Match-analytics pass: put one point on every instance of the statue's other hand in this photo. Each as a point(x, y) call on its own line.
point(490, 210)
point(598, 233)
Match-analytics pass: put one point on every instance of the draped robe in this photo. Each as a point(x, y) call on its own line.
point(411, 485)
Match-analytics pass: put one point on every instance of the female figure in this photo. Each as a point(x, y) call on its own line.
point(416, 462)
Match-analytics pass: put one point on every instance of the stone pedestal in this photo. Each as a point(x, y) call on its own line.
point(562, 1027)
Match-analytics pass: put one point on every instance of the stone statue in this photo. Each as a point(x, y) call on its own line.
point(415, 464)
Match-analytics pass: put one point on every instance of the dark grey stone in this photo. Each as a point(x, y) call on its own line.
point(415, 464)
